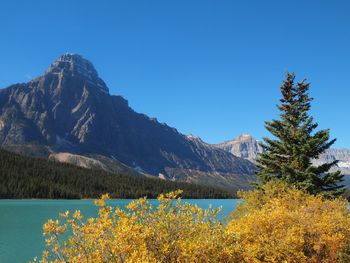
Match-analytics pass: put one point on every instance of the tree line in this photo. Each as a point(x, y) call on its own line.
point(28, 177)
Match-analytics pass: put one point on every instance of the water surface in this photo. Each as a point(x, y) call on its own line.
point(21, 222)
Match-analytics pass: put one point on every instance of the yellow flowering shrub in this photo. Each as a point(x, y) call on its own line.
point(274, 224)
point(173, 231)
point(283, 224)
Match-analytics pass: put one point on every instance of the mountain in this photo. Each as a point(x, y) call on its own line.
point(343, 155)
point(69, 110)
point(28, 177)
point(247, 147)
point(244, 146)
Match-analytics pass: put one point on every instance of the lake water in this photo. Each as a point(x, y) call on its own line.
point(21, 222)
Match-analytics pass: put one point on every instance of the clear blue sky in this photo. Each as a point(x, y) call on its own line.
point(210, 68)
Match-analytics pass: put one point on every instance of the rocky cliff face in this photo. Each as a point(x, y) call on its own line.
point(343, 155)
point(244, 146)
point(69, 109)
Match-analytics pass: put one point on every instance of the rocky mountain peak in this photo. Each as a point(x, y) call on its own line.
point(244, 137)
point(244, 146)
point(75, 65)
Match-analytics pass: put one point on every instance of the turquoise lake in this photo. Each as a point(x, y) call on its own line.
point(21, 222)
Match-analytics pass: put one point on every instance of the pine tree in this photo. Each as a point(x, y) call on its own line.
point(287, 157)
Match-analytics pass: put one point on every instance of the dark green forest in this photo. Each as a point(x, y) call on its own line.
point(28, 177)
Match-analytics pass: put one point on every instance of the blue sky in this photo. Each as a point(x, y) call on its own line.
point(210, 68)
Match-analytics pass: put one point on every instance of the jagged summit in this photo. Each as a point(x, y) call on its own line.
point(244, 146)
point(75, 65)
point(244, 136)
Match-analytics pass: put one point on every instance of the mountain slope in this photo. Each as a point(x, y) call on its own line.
point(69, 109)
point(28, 177)
point(94, 162)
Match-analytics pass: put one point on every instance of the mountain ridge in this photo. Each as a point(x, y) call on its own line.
point(68, 109)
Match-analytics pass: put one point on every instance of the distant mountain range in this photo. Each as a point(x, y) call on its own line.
point(67, 114)
point(247, 147)
point(343, 155)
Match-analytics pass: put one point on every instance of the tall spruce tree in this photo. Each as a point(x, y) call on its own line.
point(287, 157)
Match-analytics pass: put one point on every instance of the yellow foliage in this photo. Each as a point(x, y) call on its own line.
point(173, 231)
point(283, 224)
point(274, 224)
